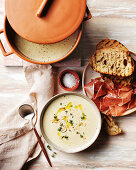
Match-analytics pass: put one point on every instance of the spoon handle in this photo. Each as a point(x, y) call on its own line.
point(42, 147)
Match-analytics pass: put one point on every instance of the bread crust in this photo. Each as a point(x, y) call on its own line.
point(124, 81)
point(110, 43)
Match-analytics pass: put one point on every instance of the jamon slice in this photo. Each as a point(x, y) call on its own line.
point(126, 96)
point(101, 92)
point(89, 88)
point(117, 110)
point(103, 108)
point(95, 88)
point(97, 102)
point(111, 100)
point(123, 88)
point(109, 85)
point(132, 103)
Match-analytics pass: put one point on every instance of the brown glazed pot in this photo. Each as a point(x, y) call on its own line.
point(9, 34)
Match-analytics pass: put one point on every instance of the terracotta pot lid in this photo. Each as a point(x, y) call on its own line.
point(58, 20)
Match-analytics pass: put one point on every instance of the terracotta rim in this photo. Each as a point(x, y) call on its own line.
point(73, 73)
point(36, 62)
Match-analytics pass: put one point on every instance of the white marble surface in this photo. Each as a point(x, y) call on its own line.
point(111, 19)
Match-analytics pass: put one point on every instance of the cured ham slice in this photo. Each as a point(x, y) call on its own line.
point(132, 103)
point(111, 100)
point(97, 102)
point(101, 92)
point(95, 88)
point(103, 108)
point(123, 88)
point(109, 84)
point(97, 85)
point(126, 96)
point(89, 88)
point(117, 110)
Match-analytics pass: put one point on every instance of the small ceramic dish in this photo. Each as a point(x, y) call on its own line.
point(61, 76)
point(62, 148)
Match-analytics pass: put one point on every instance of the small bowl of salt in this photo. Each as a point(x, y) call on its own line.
point(69, 80)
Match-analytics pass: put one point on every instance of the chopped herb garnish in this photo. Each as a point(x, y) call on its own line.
point(61, 124)
point(83, 117)
point(60, 103)
point(83, 133)
point(71, 114)
point(55, 117)
point(49, 147)
point(77, 132)
point(66, 111)
point(66, 137)
point(59, 129)
point(53, 155)
point(71, 122)
point(81, 136)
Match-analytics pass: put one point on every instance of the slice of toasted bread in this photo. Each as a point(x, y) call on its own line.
point(110, 43)
point(124, 81)
point(111, 127)
point(113, 61)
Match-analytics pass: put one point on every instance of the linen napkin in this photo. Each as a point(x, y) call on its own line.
point(18, 143)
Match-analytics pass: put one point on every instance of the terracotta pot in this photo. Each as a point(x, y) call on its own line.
point(9, 34)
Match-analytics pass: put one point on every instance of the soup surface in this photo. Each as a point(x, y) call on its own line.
point(70, 121)
point(45, 52)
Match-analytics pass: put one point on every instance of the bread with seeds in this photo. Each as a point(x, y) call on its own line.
point(112, 61)
point(110, 43)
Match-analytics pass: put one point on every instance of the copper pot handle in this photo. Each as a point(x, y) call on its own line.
point(89, 16)
point(2, 47)
point(42, 6)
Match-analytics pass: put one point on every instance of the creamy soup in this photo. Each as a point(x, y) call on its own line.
point(45, 52)
point(70, 121)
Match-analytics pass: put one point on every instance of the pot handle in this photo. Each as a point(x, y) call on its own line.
point(42, 6)
point(2, 47)
point(89, 16)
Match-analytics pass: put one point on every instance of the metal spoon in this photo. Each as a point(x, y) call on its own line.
point(27, 112)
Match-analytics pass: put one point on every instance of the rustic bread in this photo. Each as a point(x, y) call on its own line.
point(110, 126)
point(112, 61)
point(124, 81)
point(110, 43)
